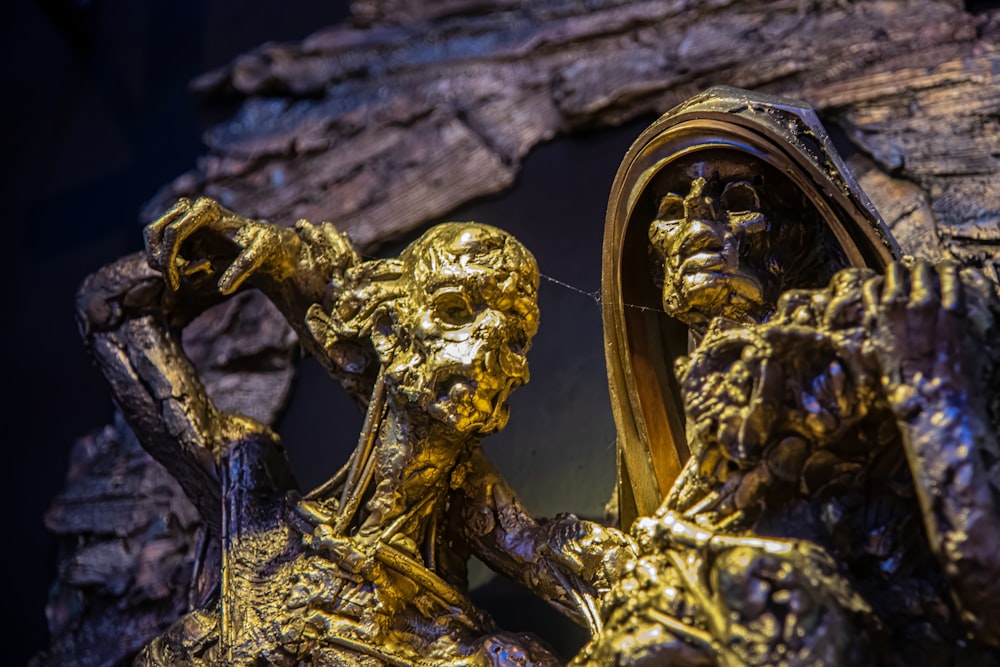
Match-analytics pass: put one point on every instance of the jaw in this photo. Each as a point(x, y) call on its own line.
point(464, 397)
point(468, 406)
point(697, 298)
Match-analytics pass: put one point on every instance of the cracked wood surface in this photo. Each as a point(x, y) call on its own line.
point(384, 126)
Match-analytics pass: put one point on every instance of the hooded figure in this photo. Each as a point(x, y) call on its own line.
point(726, 201)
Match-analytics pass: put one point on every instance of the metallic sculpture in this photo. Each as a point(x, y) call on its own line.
point(839, 504)
point(369, 568)
point(730, 159)
point(809, 470)
point(824, 463)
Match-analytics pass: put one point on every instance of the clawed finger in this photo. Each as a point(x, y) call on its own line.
point(246, 263)
point(922, 311)
point(202, 213)
point(871, 296)
point(951, 288)
point(180, 207)
point(925, 289)
point(948, 328)
point(153, 233)
point(203, 265)
point(895, 291)
point(846, 305)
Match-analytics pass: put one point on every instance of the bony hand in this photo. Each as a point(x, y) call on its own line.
point(260, 245)
point(598, 554)
point(668, 530)
point(922, 317)
point(264, 249)
point(620, 553)
point(344, 551)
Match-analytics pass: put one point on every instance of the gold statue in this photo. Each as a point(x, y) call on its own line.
point(370, 568)
point(809, 471)
point(822, 469)
point(749, 199)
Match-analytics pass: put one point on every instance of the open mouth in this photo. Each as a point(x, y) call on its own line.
point(498, 410)
point(476, 403)
point(504, 392)
point(460, 388)
point(715, 275)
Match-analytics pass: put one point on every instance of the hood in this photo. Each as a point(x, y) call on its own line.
point(781, 137)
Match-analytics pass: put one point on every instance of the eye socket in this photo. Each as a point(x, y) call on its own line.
point(671, 208)
point(452, 308)
point(740, 196)
point(518, 342)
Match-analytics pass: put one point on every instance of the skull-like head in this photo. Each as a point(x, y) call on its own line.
point(455, 324)
point(714, 243)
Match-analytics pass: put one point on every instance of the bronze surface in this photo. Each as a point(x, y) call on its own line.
point(728, 135)
point(811, 446)
point(369, 568)
point(809, 466)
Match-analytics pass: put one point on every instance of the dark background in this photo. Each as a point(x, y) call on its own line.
point(97, 117)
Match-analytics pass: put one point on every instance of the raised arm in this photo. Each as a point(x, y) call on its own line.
point(295, 267)
point(130, 323)
point(935, 333)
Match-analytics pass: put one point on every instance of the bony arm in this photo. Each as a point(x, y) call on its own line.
point(567, 561)
point(129, 322)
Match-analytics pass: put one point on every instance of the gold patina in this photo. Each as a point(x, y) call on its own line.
point(809, 470)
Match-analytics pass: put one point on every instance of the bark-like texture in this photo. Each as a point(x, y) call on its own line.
point(129, 538)
point(382, 128)
point(418, 107)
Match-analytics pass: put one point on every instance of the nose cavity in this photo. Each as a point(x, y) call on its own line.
point(490, 329)
point(497, 335)
point(698, 205)
point(701, 231)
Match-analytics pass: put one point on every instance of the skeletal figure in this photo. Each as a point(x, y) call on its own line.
point(834, 492)
point(370, 567)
